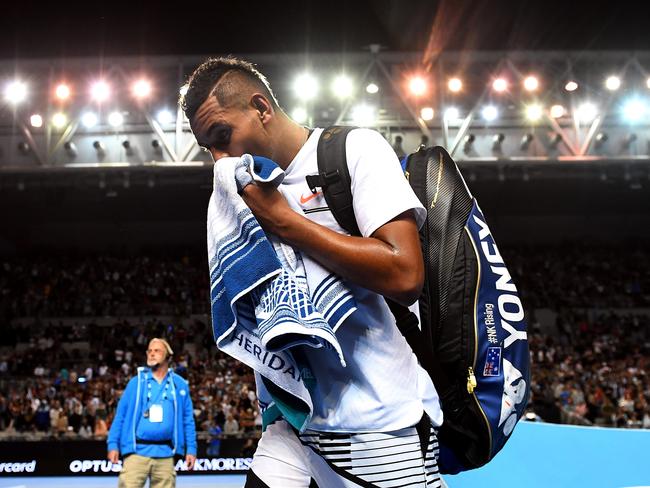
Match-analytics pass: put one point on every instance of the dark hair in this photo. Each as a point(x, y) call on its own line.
point(227, 79)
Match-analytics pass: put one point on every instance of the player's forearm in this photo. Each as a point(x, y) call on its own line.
point(371, 262)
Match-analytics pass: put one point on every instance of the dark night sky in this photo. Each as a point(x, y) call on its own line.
point(56, 29)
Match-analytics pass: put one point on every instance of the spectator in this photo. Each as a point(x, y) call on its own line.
point(214, 444)
point(231, 427)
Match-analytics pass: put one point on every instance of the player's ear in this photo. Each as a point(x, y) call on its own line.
point(262, 106)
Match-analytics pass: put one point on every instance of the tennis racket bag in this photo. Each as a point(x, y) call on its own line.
point(471, 335)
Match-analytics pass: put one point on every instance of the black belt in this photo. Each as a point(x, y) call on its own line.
point(166, 442)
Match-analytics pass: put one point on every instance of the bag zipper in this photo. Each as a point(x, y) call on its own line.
point(471, 377)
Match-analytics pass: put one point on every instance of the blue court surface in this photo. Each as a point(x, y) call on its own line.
point(537, 456)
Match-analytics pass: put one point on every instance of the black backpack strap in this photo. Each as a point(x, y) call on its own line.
point(408, 324)
point(334, 177)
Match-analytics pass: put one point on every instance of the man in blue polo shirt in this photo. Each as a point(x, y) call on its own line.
point(154, 421)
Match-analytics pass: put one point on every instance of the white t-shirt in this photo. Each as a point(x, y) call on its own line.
point(382, 388)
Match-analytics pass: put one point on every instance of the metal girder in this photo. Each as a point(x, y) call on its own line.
point(69, 131)
point(598, 120)
point(350, 100)
point(552, 122)
point(418, 120)
point(191, 148)
point(32, 143)
point(468, 120)
point(161, 134)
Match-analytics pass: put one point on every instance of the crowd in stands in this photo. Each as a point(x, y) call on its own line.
point(577, 276)
point(63, 377)
point(93, 286)
point(44, 388)
point(90, 286)
point(594, 372)
point(550, 277)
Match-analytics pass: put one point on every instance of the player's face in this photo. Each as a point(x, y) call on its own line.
point(230, 132)
point(156, 354)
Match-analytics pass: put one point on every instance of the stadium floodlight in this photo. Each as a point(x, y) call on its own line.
point(557, 111)
point(489, 113)
point(364, 115)
point(156, 146)
point(417, 86)
point(59, 120)
point(525, 141)
point(100, 148)
point(372, 88)
point(634, 110)
point(629, 139)
point(497, 142)
point(23, 147)
point(305, 86)
point(455, 85)
point(36, 121)
point(16, 92)
point(601, 138)
point(141, 88)
point(586, 112)
point(571, 86)
point(128, 149)
point(299, 115)
point(426, 113)
point(62, 92)
point(89, 120)
point(468, 143)
point(613, 83)
point(342, 86)
point(70, 148)
point(531, 83)
point(165, 117)
point(100, 91)
point(115, 119)
point(534, 112)
point(500, 85)
point(451, 113)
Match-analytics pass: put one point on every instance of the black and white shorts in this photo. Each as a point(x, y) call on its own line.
point(285, 459)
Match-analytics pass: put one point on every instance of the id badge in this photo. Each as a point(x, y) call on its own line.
point(156, 413)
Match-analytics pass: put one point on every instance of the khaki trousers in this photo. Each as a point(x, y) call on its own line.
point(136, 469)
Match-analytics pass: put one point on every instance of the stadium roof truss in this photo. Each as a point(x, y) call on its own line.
point(606, 117)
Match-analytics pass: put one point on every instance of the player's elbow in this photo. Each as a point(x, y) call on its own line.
point(409, 296)
point(407, 285)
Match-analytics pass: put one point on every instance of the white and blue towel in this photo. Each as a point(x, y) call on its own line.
point(266, 297)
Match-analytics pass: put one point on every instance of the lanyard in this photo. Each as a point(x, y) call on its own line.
point(161, 391)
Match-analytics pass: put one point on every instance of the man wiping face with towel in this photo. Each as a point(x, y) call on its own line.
point(365, 426)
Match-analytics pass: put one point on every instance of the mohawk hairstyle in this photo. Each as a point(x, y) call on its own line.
point(223, 77)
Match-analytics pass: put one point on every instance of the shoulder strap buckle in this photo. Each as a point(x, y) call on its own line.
point(322, 180)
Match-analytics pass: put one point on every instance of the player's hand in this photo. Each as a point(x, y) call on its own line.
point(113, 456)
point(190, 459)
point(268, 205)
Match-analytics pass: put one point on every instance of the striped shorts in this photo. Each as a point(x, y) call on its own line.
point(285, 459)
